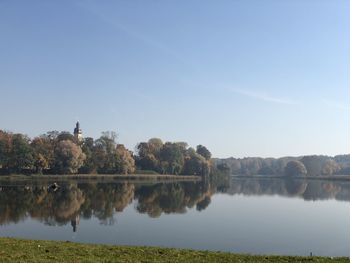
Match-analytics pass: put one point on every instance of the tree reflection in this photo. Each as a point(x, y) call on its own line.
point(306, 189)
point(295, 187)
point(75, 201)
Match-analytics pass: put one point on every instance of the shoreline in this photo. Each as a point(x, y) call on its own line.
point(23, 250)
point(323, 177)
point(104, 177)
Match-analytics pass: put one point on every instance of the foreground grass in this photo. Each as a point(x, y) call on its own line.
point(17, 250)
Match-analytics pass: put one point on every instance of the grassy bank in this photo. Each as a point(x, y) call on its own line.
point(158, 177)
point(16, 250)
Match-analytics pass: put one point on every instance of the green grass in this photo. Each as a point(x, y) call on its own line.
point(17, 250)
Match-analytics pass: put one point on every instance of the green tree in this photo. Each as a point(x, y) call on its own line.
point(202, 150)
point(88, 148)
point(21, 154)
point(148, 154)
point(105, 153)
point(172, 153)
point(5, 146)
point(195, 164)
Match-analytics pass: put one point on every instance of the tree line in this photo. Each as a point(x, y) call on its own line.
point(62, 153)
point(311, 165)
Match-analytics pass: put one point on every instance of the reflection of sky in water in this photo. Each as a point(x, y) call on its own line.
point(270, 223)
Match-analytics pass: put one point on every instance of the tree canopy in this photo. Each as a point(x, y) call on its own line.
point(295, 168)
point(62, 153)
point(173, 158)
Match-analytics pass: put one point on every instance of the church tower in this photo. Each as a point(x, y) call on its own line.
point(78, 132)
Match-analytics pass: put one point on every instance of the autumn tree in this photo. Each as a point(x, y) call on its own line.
point(314, 164)
point(330, 167)
point(172, 157)
point(68, 157)
point(155, 145)
point(148, 157)
point(125, 162)
point(43, 153)
point(66, 136)
point(295, 168)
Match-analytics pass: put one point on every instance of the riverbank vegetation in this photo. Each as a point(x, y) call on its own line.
point(17, 250)
point(63, 153)
point(312, 165)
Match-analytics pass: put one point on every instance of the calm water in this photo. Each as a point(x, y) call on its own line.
point(259, 216)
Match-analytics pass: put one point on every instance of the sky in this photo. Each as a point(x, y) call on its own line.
point(244, 78)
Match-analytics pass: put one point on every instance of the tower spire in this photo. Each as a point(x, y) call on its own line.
point(78, 133)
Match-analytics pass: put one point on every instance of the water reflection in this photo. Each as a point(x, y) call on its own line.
point(307, 189)
point(75, 201)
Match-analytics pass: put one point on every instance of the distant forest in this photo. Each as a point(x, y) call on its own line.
point(63, 153)
point(312, 165)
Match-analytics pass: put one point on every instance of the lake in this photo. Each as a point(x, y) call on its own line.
point(243, 215)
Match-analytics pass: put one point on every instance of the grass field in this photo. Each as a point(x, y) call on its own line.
point(18, 250)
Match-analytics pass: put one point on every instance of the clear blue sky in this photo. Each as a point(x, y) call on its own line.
point(245, 78)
